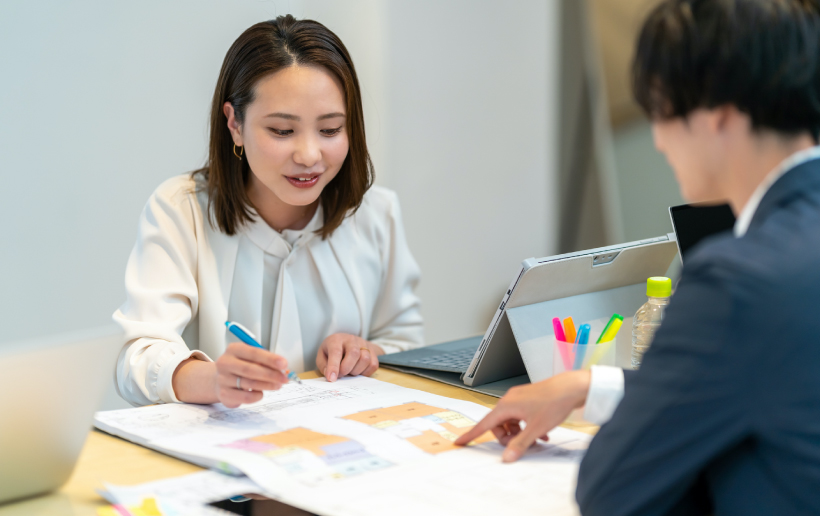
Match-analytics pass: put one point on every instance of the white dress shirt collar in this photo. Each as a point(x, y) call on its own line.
point(746, 215)
point(281, 244)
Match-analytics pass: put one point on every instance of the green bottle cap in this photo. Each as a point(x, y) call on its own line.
point(659, 287)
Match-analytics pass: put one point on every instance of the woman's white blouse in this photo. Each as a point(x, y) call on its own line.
point(185, 278)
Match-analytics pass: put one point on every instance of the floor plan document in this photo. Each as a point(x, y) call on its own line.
point(361, 446)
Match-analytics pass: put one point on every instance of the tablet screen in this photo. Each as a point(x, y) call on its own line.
point(693, 223)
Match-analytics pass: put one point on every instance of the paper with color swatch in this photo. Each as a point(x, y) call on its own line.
point(364, 447)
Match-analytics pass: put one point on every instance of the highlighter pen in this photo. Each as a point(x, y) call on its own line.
point(582, 340)
point(247, 337)
point(562, 346)
point(608, 324)
point(608, 336)
point(612, 329)
point(569, 329)
point(559, 330)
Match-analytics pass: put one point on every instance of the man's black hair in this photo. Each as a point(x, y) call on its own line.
point(761, 56)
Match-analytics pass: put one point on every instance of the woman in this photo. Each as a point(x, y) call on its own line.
point(280, 232)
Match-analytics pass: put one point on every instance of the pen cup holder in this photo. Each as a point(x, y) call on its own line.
point(568, 356)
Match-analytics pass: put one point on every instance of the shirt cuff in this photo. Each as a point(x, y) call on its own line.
point(388, 347)
point(165, 388)
point(606, 388)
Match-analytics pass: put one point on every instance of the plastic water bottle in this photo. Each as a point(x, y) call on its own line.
point(649, 316)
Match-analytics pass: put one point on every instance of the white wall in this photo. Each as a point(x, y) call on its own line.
point(471, 122)
point(101, 101)
point(646, 183)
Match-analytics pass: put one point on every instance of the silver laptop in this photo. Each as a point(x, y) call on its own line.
point(493, 363)
point(49, 390)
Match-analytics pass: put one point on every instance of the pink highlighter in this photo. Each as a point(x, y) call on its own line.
point(562, 346)
point(559, 330)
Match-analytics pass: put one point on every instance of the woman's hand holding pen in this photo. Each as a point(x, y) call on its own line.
point(243, 372)
point(541, 406)
point(342, 354)
point(238, 376)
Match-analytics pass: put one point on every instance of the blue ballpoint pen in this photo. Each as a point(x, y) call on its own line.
point(582, 340)
point(247, 337)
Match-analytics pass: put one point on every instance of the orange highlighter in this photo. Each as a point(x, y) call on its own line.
point(569, 329)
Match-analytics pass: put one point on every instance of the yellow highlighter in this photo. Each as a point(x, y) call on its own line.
point(608, 335)
point(569, 330)
point(611, 329)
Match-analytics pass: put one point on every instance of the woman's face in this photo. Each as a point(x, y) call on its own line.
point(294, 134)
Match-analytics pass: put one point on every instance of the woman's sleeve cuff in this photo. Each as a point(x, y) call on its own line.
point(165, 388)
point(388, 347)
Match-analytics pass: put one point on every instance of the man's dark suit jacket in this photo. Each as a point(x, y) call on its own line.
point(724, 415)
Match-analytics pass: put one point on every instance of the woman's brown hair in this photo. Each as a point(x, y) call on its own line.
point(264, 49)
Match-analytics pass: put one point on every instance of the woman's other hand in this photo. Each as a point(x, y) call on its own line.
point(541, 406)
point(342, 354)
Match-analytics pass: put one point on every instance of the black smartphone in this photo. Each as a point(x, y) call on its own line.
point(263, 507)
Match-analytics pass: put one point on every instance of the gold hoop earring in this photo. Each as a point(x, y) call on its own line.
point(241, 151)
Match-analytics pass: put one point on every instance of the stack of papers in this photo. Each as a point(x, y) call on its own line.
point(361, 446)
point(188, 495)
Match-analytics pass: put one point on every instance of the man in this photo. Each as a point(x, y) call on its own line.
point(724, 415)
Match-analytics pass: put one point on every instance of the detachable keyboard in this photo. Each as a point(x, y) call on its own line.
point(451, 357)
point(455, 361)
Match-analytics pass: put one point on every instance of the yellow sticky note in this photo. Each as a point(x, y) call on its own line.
point(148, 508)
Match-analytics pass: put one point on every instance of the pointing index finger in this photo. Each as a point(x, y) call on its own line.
point(490, 421)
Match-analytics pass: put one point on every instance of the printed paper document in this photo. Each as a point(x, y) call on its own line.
point(361, 446)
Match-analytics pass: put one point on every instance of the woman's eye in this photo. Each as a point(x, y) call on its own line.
point(281, 132)
point(331, 132)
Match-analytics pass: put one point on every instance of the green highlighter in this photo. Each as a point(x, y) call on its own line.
point(611, 328)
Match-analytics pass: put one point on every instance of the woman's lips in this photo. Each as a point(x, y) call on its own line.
point(303, 181)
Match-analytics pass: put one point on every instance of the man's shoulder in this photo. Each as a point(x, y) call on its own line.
point(773, 259)
point(720, 255)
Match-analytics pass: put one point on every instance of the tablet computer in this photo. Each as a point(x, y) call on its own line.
point(694, 222)
point(492, 363)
